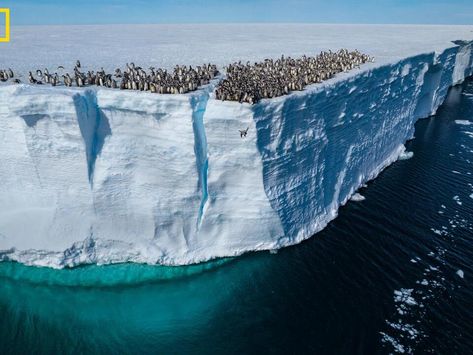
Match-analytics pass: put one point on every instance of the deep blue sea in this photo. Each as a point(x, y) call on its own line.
point(392, 273)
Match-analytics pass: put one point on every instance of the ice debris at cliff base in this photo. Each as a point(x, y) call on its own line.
point(406, 155)
point(463, 122)
point(357, 197)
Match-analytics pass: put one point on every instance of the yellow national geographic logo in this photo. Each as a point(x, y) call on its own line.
point(6, 13)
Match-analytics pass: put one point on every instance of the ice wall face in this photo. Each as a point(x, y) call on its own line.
point(318, 147)
point(43, 168)
point(145, 182)
point(109, 176)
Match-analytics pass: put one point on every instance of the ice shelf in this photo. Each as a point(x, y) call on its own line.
point(106, 176)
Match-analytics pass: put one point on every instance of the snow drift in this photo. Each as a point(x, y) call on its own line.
point(105, 176)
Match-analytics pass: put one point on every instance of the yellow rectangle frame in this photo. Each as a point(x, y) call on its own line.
point(7, 24)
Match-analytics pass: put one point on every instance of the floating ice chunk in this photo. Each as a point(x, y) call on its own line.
point(457, 200)
point(409, 329)
point(413, 261)
point(471, 196)
point(460, 273)
point(463, 122)
point(406, 155)
point(398, 347)
point(404, 295)
point(358, 197)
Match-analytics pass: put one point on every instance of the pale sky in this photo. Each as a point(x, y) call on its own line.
point(29, 12)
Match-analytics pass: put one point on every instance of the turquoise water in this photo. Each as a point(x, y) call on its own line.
point(338, 292)
point(110, 308)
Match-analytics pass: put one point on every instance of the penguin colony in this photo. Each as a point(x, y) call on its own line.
point(183, 79)
point(272, 78)
point(8, 74)
point(243, 83)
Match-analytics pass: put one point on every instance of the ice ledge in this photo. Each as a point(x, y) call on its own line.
point(105, 176)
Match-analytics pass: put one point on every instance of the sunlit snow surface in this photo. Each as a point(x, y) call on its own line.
point(103, 176)
point(166, 45)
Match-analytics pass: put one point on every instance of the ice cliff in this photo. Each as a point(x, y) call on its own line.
point(104, 176)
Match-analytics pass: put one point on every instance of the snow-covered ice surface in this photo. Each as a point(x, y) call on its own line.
point(166, 45)
point(101, 176)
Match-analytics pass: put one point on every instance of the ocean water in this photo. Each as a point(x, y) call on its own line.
point(393, 273)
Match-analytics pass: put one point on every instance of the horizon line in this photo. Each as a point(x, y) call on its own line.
point(242, 23)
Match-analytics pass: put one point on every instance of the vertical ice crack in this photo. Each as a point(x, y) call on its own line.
point(199, 105)
point(94, 127)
